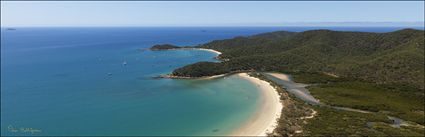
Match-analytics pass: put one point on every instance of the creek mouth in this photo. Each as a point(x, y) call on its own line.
point(300, 91)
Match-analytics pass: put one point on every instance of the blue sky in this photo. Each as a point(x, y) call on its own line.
point(204, 13)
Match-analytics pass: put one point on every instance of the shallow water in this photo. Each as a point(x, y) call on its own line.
point(75, 82)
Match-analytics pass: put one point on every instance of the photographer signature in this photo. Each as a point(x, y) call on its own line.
point(23, 129)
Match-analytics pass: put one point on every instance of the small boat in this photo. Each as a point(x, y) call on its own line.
point(124, 63)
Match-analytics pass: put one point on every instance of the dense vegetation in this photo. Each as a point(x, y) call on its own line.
point(384, 100)
point(201, 69)
point(331, 122)
point(395, 102)
point(164, 47)
point(383, 58)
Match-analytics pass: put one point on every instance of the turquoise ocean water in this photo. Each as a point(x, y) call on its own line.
point(73, 81)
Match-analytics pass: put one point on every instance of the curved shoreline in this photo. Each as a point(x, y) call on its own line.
point(210, 50)
point(204, 49)
point(265, 119)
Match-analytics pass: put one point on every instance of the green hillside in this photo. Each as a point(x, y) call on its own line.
point(383, 58)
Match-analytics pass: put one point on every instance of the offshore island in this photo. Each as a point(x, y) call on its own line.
point(323, 82)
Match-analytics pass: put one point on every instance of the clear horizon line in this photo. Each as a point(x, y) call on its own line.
point(217, 26)
point(285, 24)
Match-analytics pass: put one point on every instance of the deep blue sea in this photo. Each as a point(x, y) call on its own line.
point(73, 81)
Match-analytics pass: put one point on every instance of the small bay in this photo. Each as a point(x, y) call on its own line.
point(98, 81)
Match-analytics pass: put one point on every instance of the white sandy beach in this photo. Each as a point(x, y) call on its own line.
point(210, 50)
point(213, 77)
point(265, 119)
